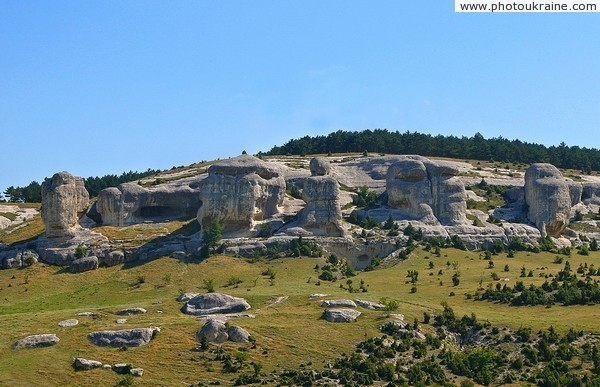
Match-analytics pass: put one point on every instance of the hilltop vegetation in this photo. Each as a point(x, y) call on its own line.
point(475, 148)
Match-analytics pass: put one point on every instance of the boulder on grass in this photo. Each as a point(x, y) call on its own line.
point(341, 315)
point(81, 364)
point(215, 303)
point(125, 338)
point(37, 341)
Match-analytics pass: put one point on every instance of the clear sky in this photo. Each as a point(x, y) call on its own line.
point(98, 87)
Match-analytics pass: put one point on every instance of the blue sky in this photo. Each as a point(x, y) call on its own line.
point(98, 87)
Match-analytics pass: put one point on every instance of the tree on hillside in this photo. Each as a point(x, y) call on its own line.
point(212, 235)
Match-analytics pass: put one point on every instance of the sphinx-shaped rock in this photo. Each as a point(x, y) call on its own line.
point(427, 190)
point(240, 193)
point(130, 203)
point(548, 199)
point(322, 214)
point(64, 201)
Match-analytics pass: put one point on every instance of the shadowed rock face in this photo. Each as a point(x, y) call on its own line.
point(64, 201)
point(548, 199)
point(427, 190)
point(129, 203)
point(240, 192)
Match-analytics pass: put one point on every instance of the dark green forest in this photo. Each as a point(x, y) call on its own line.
point(476, 148)
point(32, 193)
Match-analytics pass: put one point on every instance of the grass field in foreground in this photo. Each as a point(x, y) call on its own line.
point(288, 334)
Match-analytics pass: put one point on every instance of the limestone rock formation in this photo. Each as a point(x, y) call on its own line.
point(84, 264)
point(215, 303)
point(124, 338)
point(64, 201)
point(341, 315)
point(322, 214)
point(130, 203)
point(240, 193)
point(548, 199)
point(81, 364)
point(427, 190)
point(37, 341)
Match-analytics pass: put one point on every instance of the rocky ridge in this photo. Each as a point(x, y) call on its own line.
point(251, 199)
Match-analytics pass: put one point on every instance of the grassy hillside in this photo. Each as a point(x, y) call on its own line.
point(288, 334)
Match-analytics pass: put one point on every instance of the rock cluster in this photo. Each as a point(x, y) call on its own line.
point(64, 201)
point(215, 331)
point(240, 193)
point(427, 190)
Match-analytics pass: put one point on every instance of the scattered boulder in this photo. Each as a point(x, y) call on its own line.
point(121, 321)
point(64, 201)
point(369, 305)
point(137, 372)
point(84, 264)
point(338, 304)
point(81, 364)
point(131, 311)
point(548, 199)
point(68, 323)
point(130, 203)
point(341, 315)
point(240, 192)
point(37, 341)
point(214, 331)
point(215, 303)
point(125, 338)
point(317, 295)
point(238, 335)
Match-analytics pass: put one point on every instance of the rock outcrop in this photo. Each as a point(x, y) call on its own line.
point(37, 341)
point(64, 201)
point(426, 190)
point(17, 258)
point(240, 193)
point(322, 214)
point(130, 203)
point(548, 199)
point(341, 315)
point(215, 331)
point(124, 338)
point(68, 323)
point(84, 264)
point(215, 303)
